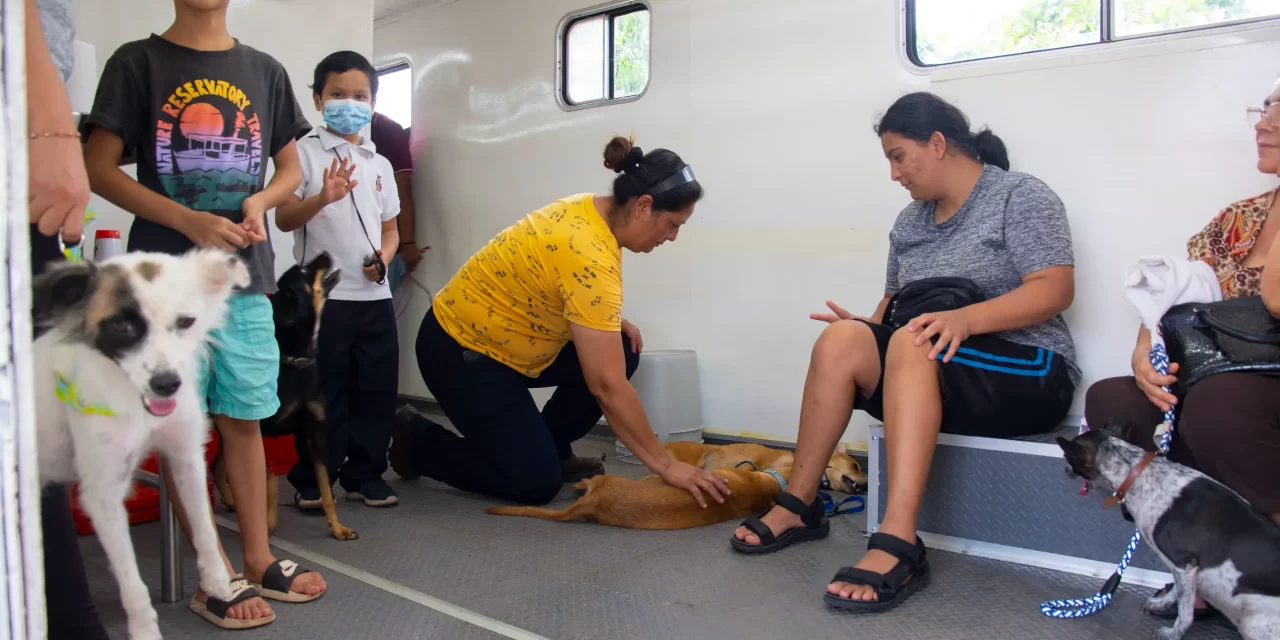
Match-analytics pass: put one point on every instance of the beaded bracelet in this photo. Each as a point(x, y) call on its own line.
point(55, 134)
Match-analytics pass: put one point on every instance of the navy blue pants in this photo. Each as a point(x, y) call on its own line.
point(509, 450)
point(358, 353)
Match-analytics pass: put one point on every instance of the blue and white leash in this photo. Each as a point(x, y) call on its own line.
point(1081, 607)
point(832, 508)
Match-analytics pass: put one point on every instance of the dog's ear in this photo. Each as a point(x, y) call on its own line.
point(63, 286)
point(1080, 453)
point(1068, 446)
point(220, 270)
point(330, 281)
point(321, 262)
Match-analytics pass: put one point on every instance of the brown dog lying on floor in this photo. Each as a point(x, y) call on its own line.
point(652, 504)
point(844, 474)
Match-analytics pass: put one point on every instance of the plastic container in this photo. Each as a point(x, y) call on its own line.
point(107, 245)
point(667, 383)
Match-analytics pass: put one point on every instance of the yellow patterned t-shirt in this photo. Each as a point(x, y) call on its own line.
point(514, 300)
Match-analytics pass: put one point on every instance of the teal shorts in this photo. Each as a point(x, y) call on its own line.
point(239, 378)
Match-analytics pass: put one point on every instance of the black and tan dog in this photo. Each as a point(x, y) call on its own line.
point(296, 307)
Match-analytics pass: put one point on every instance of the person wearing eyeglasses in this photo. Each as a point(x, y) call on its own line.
point(1239, 451)
point(541, 306)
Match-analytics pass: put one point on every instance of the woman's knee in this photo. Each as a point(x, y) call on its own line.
point(536, 481)
point(903, 351)
point(536, 489)
point(1116, 399)
point(843, 347)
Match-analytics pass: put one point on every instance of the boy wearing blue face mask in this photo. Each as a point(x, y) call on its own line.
point(347, 206)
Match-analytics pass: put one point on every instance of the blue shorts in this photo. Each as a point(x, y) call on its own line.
point(239, 380)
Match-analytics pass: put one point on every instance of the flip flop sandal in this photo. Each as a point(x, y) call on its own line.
point(816, 526)
point(910, 575)
point(215, 610)
point(1208, 612)
point(277, 580)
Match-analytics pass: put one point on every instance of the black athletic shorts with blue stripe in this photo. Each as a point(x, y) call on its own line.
point(992, 388)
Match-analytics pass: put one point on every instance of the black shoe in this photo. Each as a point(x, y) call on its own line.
point(375, 493)
point(578, 468)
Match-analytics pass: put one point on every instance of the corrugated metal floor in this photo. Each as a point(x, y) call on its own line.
point(580, 580)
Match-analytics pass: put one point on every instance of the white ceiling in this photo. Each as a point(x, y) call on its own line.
point(392, 9)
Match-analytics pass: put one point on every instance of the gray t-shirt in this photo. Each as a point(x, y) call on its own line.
point(59, 32)
point(204, 124)
point(1011, 225)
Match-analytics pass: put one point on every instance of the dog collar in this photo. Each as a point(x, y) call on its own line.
point(777, 476)
point(1118, 497)
point(66, 391)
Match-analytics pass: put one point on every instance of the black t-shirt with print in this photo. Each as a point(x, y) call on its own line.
point(204, 124)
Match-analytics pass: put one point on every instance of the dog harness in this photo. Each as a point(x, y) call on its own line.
point(1081, 607)
point(67, 392)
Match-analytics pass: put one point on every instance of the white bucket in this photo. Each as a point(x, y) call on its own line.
point(667, 383)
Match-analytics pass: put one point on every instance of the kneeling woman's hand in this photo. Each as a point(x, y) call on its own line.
point(696, 481)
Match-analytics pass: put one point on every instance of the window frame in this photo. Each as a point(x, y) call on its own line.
point(612, 10)
point(1107, 38)
point(391, 66)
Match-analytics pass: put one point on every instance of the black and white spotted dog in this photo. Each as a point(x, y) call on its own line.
point(1218, 546)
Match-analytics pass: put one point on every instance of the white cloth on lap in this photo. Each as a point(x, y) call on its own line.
point(1155, 284)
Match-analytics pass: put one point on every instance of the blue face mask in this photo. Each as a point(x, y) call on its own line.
point(347, 116)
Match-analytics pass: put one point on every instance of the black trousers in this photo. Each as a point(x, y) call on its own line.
point(508, 450)
point(359, 360)
point(1228, 426)
point(68, 604)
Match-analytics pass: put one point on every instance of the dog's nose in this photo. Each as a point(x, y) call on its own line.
point(165, 384)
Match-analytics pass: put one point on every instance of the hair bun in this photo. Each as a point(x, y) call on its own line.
point(991, 149)
point(617, 154)
point(633, 159)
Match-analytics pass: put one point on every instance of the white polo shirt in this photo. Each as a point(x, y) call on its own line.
point(337, 228)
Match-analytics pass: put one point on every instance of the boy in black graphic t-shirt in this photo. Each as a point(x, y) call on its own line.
point(204, 113)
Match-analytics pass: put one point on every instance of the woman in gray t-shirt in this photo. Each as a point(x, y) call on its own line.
point(1002, 367)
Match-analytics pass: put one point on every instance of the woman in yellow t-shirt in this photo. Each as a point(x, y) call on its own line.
point(541, 306)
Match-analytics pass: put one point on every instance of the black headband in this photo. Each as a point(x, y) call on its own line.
point(682, 177)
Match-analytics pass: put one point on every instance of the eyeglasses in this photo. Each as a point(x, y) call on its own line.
point(1256, 114)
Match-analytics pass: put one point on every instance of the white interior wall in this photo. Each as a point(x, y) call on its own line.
point(773, 104)
point(298, 33)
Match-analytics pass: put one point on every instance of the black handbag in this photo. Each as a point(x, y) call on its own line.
point(1231, 336)
point(930, 295)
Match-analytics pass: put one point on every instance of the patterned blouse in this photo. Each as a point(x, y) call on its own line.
point(1226, 241)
